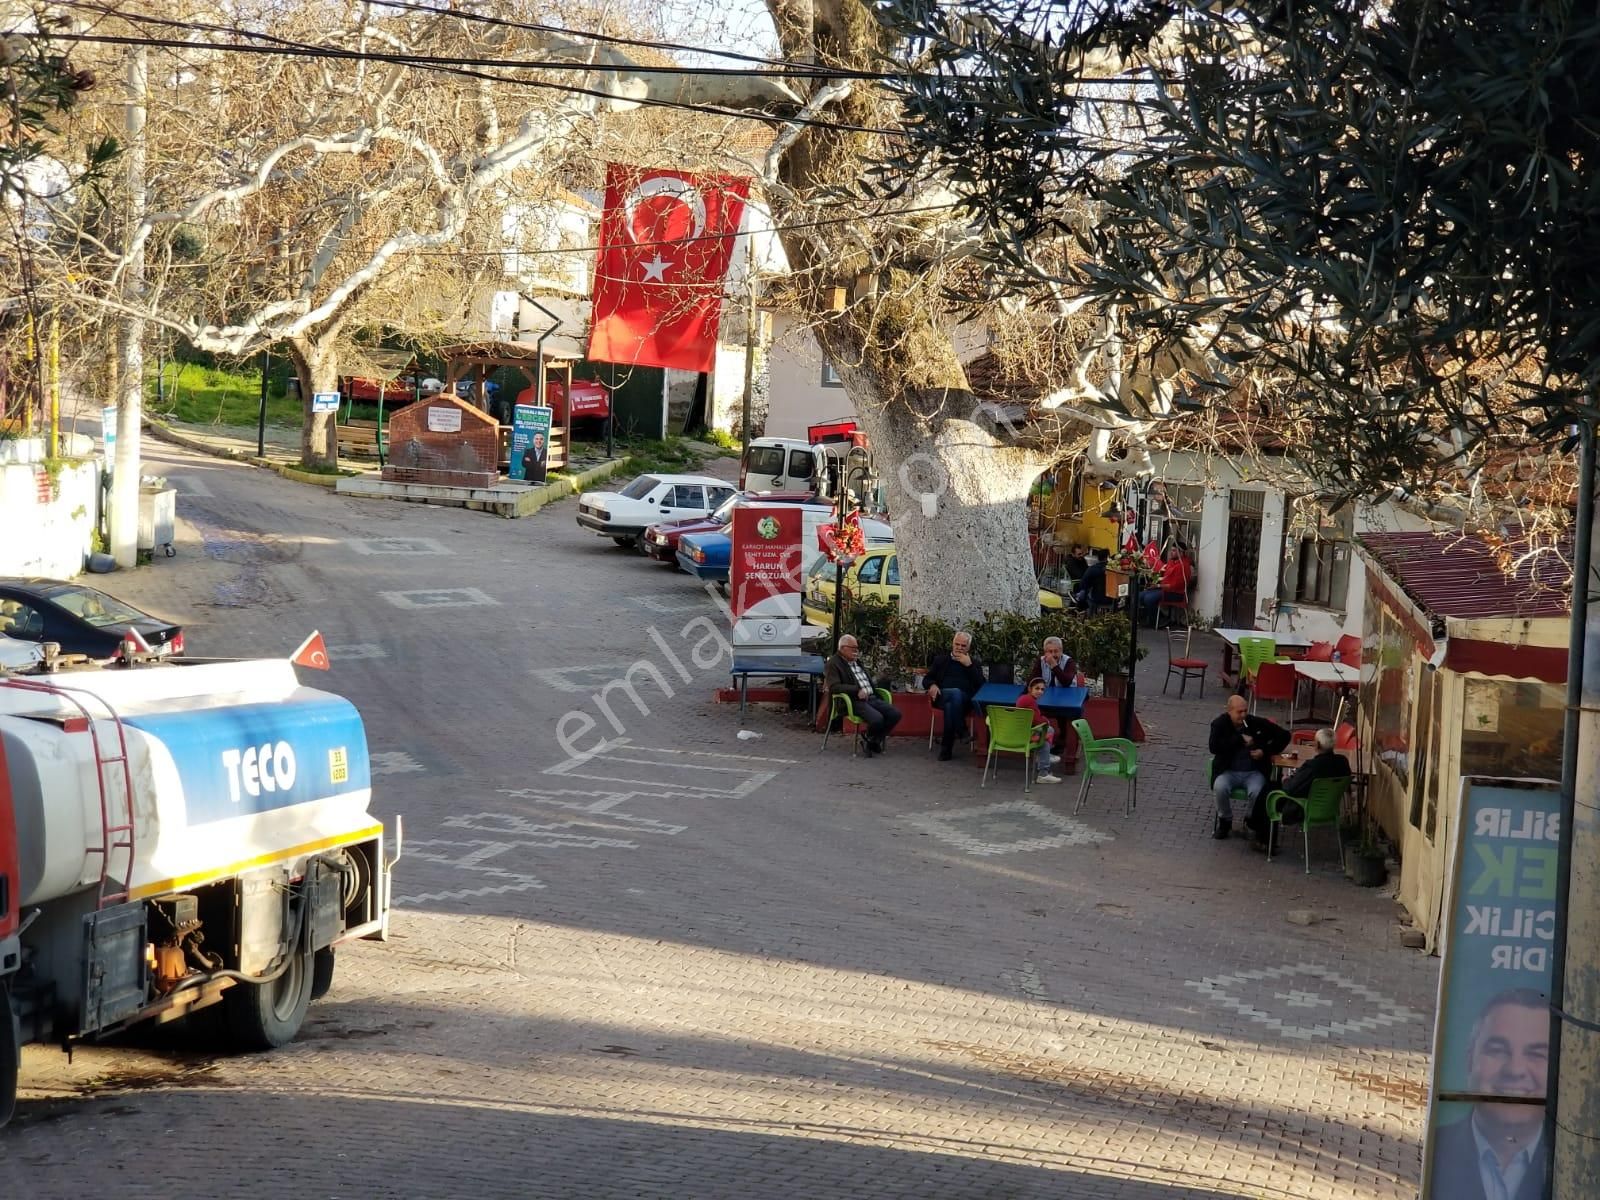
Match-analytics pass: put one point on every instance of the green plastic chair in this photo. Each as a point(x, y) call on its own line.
point(1012, 731)
point(1321, 808)
point(1116, 757)
point(842, 708)
point(1238, 794)
point(1253, 651)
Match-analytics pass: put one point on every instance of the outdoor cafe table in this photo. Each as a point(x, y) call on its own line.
point(1230, 643)
point(776, 667)
point(1335, 674)
point(1007, 694)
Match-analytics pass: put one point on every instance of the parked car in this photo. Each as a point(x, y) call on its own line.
point(624, 515)
point(661, 539)
point(82, 619)
point(876, 573)
point(710, 555)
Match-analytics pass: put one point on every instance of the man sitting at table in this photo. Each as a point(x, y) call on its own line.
point(1325, 764)
point(1242, 746)
point(1091, 593)
point(844, 676)
point(953, 680)
point(1056, 668)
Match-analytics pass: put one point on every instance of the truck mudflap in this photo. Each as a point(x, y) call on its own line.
point(116, 983)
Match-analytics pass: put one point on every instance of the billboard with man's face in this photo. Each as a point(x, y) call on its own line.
point(1492, 1039)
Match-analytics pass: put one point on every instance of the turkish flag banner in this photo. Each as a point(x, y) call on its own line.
point(666, 240)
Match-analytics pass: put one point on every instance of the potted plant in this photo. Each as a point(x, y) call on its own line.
point(1367, 866)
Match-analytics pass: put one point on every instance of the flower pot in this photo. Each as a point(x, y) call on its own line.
point(1367, 870)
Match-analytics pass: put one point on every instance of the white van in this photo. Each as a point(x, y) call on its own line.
point(778, 465)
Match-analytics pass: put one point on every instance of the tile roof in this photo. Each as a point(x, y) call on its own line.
point(1460, 575)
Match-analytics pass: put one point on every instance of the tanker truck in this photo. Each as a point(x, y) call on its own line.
point(173, 838)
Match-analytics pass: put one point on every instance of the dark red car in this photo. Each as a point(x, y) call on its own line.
point(661, 540)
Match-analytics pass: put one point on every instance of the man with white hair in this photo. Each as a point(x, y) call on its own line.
point(1325, 764)
point(845, 676)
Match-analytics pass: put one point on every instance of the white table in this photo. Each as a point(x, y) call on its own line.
point(1336, 674)
point(1230, 643)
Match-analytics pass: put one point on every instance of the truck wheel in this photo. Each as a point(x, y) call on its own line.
point(10, 1055)
point(264, 1016)
point(322, 973)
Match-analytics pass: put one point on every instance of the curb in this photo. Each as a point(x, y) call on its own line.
point(529, 502)
point(166, 433)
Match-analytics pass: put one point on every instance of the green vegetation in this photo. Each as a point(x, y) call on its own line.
point(672, 456)
point(201, 395)
point(728, 441)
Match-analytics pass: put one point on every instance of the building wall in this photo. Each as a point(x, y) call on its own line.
point(49, 518)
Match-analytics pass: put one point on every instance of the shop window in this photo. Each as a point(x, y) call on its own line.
point(1388, 664)
point(1175, 514)
point(1425, 762)
point(1512, 728)
point(1316, 564)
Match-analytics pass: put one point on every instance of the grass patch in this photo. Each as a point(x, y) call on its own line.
point(322, 469)
point(672, 456)
point(199, 395)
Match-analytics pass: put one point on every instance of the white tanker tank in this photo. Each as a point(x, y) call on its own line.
point(173, 836)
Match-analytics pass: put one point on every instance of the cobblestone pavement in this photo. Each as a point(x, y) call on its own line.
point(686, 965)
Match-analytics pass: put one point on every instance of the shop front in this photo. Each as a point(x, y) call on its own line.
point(1463, 674)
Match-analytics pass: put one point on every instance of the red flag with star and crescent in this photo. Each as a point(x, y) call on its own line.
point(666, 241)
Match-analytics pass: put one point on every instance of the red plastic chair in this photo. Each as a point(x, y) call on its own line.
point(1273, 681)
point(1320, 652)
point(1349, 648)
point(1303, 737)
point(1344, 737)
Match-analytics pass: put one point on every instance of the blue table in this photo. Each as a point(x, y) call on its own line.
point(1006, 694)
point(1064, 697)
point(777, 666)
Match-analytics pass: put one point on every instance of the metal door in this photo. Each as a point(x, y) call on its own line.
point(1242, 558)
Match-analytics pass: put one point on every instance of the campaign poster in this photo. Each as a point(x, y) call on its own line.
point(1492, 1038)
point(530, 442)
point(764, 567)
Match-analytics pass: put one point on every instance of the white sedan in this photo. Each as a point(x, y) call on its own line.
point(624, 515)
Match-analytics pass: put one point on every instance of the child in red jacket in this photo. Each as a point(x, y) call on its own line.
point(1043, 727)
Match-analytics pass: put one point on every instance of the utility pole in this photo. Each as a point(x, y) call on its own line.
point(124, 513)
point(1575, 984)
point(750, 340)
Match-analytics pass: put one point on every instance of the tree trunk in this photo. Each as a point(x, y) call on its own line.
point(316, 365)
point(958, 498)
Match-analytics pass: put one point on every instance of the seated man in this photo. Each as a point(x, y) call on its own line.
point(1091, 593)
point(1171, 584)
point(1077, 561)
point(1241, 748)
point(845, 676)
point(953, 680)
point(1325, 764)
point(1056, 668)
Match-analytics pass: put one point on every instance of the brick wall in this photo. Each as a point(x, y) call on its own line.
point(420, 452)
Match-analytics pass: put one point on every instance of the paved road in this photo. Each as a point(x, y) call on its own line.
point(679, 964)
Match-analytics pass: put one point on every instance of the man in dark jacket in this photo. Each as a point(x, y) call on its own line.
point(844, 675)
point(1497, 1153)
point(1241, 748)
point(1325, 764)
point(953, 680)
point(1091, 593)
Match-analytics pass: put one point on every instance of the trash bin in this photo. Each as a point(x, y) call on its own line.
point(158, 519)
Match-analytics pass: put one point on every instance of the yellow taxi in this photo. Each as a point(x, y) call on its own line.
point(877, 574)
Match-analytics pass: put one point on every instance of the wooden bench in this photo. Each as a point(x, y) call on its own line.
point(361, 439)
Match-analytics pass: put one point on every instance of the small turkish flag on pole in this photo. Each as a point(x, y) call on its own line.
point(666, 241)
point(313, 653)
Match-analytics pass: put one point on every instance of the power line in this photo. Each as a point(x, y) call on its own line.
point(406, 60)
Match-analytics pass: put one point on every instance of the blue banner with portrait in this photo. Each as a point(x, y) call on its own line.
point(1491, 1048)
point(530, 442)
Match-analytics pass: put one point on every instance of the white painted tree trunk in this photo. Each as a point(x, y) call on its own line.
point(123, 511)
point(317, 367)
point(958, 500)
